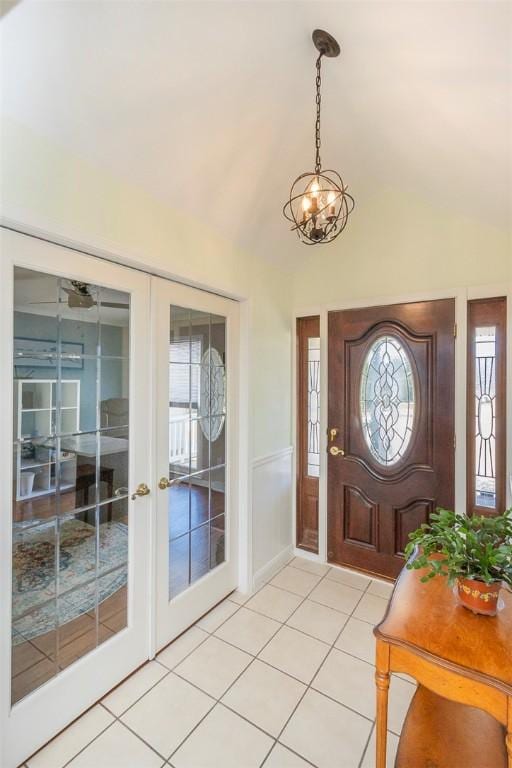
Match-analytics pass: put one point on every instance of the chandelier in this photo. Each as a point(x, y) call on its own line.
point(319, 203)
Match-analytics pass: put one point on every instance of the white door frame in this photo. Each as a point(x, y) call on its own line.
point(171, 619)
point(45, 711)
point(461, 296)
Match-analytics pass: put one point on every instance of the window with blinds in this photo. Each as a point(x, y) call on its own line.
point(184, 379)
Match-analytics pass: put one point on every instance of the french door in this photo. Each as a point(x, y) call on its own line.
point(195, 339)
point(74, 517)
point(390, 428)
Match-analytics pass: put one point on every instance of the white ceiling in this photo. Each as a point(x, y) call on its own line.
point(209, 106)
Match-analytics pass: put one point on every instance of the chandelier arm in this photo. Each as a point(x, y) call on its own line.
point(318, 162)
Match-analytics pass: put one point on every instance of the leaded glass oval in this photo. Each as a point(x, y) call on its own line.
point(387, 400)
point(212, 394)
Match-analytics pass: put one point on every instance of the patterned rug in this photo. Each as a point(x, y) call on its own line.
point(33, 600)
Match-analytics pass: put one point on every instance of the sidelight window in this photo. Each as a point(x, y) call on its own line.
point(314, 406)
point(308, 431)
point(486, 405)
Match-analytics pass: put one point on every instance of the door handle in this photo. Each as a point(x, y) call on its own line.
point(165, 483)
point(141, 490)
point(335, 451)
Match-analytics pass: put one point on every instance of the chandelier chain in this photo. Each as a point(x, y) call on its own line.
point(318, 162)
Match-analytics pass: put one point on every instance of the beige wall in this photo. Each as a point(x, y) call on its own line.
point(45, 186)
point(396, 244)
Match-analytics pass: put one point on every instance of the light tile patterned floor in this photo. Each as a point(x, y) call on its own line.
point(283, 679)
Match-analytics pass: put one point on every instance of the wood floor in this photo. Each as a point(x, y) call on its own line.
point(35, 661)
point(196, 545)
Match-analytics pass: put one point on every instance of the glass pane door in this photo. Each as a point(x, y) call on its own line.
point(197, 445)
point(70, 473)
point(75, 514)
point(195, 361)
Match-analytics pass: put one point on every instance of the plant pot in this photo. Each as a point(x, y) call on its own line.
point(479, 597)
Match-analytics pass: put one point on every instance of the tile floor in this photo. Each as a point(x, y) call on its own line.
point(280, 679)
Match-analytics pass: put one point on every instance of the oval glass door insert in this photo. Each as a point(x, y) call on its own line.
point(213, 394)
point(387, 400)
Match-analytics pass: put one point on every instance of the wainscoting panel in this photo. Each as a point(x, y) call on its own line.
point(271, 513)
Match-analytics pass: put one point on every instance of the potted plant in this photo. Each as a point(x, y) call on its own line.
point(475, 553)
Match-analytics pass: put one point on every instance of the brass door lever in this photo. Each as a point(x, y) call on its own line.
point(141, 490)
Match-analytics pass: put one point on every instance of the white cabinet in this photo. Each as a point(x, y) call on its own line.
point(35, 427)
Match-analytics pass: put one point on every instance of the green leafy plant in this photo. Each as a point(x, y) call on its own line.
point(477, 548)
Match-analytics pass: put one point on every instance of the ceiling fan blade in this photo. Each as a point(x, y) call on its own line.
point(77, 301)
point(47, 302)
point(114, 305)
point(68, 290)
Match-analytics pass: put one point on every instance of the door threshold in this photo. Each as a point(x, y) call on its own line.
point(371, 574)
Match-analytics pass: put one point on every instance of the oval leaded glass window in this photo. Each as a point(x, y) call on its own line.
point(387, 400)
point(212, 394)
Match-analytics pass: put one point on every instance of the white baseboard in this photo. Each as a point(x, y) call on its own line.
point(271, 568)
point(298, 552)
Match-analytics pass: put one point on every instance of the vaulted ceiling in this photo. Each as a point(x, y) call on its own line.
point(209, 106)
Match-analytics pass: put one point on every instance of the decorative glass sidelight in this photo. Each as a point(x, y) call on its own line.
point(70, 473)
point(313, 464)
point(485, 416)
point(387, 400)
point(197, 445)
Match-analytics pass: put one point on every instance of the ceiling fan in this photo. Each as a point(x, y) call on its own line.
point(80, 297)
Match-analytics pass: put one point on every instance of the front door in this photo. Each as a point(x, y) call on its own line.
point(74, 533)
point(195, 343)
point(391, 429)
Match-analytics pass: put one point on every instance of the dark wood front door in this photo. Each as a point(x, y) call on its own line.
point(391, 428)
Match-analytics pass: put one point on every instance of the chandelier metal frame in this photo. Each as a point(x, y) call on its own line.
point(319, 224)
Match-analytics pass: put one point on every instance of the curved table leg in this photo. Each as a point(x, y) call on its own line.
point(382, 683)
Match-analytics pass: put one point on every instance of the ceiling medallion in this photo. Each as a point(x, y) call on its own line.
point(319, 203)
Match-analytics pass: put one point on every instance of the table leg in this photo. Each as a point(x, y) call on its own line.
point(382, 683)
point(509, 731)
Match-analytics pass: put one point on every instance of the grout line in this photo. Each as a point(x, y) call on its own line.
point(308, 688)
point(359, 765)
point(58, 735)
point(91, 741)
point(118, 718)
point(239, 676)
point(293, 751)
point(218, 701)
point(128, 728)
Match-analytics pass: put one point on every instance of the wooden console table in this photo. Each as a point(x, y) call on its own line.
point(461, 714)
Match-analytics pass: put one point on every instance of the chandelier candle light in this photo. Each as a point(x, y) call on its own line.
point(319, 203)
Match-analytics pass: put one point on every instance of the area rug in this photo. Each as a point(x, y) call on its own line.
point(35, 608)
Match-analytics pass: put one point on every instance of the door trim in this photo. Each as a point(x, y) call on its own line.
point(461, 295)
point(107, 252)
